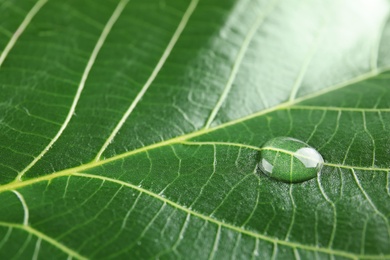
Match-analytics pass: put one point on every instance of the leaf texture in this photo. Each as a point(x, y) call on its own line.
point(133, 128)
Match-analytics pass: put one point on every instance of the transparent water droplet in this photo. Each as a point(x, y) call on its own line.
point(290, 160)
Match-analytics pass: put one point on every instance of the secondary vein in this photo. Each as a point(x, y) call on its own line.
point(237, 63)
point(114, 17)
point(161, 62)
point(201, 132)
point(186, 210)
point(46, 238)
point(30, 15)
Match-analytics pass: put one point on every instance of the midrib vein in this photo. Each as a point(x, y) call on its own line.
point(251, 147)
point(184, 138)
point(241, 230)
point(106, 30)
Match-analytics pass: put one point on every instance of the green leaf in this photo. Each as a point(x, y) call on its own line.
point(132, 129)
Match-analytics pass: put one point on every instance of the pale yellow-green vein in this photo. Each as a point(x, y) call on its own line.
point(201, 132)
point(286, 152)
point(46, 238)
point(193, 213)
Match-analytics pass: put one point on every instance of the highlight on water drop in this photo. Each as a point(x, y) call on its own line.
point(290, 160)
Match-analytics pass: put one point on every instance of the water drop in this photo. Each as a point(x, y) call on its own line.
point(290, 160)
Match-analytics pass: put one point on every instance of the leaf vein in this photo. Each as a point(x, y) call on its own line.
point(30, 15)
point(46, 238)
point(25, 208)
point(182, 208)
point(237, 63)
point(182, 25)
point(114, 17)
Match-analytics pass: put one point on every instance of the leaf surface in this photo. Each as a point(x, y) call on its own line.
point(133, 128)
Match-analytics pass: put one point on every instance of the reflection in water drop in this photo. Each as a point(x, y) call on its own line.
point(266, 165)
point(309, 157)
point(290, 160)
